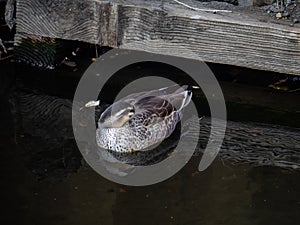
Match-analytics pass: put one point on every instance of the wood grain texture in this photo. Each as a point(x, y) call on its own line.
point(66, 19)
point(229, 38)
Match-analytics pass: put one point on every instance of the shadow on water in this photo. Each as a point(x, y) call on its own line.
point(45, 181)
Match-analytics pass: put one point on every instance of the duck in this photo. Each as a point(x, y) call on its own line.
point(141, 120)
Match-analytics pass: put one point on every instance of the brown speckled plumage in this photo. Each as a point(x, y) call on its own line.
point(141, 120)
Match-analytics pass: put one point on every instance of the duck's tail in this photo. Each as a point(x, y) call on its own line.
point(187, 98)
point(181, 97)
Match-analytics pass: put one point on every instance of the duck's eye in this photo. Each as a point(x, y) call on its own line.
point(131, 113)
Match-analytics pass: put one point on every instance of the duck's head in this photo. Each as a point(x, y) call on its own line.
point(116, 115)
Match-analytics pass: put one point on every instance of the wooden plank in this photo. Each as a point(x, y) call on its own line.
point(108, 32)
point(238, 38)
point(72, 20)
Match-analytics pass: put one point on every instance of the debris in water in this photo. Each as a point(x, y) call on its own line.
point(290, 84)
point(92, 103)
point(278, 15)
point(66, 61)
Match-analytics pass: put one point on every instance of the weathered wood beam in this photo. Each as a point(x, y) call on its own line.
point(236, 38)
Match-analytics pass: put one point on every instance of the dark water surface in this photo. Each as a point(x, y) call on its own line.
point(45, 181)
point(222, 194)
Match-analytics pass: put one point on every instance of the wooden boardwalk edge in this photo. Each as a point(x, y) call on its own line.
point(228, 39)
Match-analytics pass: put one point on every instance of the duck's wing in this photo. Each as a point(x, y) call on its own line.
point(151, 110)
point(154, 104)
point(158, 108)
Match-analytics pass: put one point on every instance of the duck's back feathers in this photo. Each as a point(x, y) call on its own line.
point(155, 109)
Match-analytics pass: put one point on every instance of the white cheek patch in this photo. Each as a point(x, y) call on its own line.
point(120, 113)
